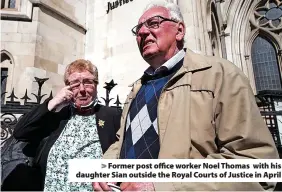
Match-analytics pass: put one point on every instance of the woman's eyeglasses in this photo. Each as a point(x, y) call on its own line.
point(85, 82)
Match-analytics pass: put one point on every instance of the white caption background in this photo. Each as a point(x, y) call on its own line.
point(175, 170)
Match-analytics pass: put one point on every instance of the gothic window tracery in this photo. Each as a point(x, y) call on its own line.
point(268, 14)
point(266, 25)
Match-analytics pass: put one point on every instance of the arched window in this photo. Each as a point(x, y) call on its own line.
point(265, 65)
point(264, 45)
point(6, 69)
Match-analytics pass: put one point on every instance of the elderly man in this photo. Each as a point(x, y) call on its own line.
point(187, 106)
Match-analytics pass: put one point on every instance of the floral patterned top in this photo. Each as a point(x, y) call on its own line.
point(79, 139)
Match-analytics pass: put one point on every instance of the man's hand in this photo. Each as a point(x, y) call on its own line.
point(101, 186)
point(62, 99)
point(137, 187)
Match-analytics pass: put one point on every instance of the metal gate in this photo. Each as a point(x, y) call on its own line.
point(270, 104)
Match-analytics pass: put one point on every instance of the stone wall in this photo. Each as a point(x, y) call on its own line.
point(18, 39)
point(44, 44)
point(46, 35)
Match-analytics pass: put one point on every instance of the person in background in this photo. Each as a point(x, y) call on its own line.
point(73, 124)
point(187, 106)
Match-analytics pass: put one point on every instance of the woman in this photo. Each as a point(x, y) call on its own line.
point(75, 125)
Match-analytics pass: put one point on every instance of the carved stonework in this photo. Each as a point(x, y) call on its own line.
point(268, 15)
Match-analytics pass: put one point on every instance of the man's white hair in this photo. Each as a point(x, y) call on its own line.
point(173, 9)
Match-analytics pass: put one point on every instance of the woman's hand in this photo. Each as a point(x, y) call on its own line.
point(62, 99)
point(102, 186)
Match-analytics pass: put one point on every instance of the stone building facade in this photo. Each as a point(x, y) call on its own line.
point(40, 37)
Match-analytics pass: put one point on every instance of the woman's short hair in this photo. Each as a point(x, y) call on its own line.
point(81, 65)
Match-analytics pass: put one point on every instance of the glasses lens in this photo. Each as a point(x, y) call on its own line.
point(75, 82)
point(153, 22)
point(88, 82)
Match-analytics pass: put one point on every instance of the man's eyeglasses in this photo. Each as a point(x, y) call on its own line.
point(85, 82)
point(151, 23)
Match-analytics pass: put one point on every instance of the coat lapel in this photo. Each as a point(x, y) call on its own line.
point(102, 130)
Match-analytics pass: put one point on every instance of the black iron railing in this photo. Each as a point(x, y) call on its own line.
point(270, 104)
point(12, 109)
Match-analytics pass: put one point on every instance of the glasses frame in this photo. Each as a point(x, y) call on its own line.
point(94, 82)
point(134, 29)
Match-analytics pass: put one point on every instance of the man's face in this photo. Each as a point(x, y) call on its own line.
point(86, 90)
point(157, 43)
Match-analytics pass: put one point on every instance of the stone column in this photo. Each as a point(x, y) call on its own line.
point(193, 18)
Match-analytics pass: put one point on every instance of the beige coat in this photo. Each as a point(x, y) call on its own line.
point(207, 110)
